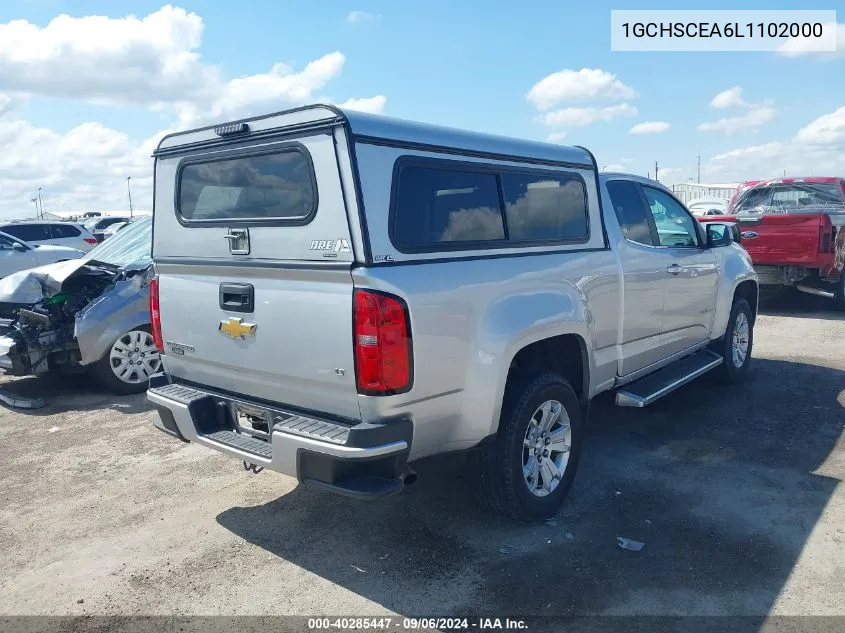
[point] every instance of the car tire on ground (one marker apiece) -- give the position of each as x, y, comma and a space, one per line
736, 345
129, 362
839, 293
526, 473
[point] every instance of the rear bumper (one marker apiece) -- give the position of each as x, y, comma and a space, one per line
359, 460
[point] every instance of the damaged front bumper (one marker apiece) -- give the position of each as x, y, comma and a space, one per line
10, 360
65, 316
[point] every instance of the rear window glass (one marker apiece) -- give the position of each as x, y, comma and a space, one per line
64, 230
790, 198
436, 206
28, 232
276, 186
544, 207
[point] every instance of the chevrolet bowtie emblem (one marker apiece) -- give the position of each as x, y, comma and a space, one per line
236, 328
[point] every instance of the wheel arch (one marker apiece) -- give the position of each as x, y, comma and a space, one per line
566, 354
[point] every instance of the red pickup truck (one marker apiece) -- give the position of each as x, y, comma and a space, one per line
794, 230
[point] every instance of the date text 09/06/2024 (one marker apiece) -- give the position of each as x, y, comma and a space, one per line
387, 623
728, 30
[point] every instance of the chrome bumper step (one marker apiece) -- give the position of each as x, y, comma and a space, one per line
644, 391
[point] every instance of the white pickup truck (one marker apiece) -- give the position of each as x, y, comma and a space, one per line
339, 294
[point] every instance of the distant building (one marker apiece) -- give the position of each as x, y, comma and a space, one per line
687, 191
79, 216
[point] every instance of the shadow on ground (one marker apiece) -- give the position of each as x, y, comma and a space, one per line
69, 393
794, 303
717, 482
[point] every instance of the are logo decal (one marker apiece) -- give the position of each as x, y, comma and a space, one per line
339, 245
749, 235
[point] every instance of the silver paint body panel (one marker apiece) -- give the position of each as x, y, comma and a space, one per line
470, 311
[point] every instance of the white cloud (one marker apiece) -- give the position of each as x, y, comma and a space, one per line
357, 17
579, 117
152, 62
754, 118
730, 98
122, 60
84, 169
650, 127
826, 130
669, 175
578, 85
798, 46
614, 167
253, 94
373, 105
556, 137
771, 160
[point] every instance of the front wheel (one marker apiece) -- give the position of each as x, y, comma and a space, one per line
735, 346
130, 361
528, 471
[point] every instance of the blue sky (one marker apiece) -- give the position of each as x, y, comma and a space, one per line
462, 64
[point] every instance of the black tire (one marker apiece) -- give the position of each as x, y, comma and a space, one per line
729, 371
103, 373
502, 486
839, 293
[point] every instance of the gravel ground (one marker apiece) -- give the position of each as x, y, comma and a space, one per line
736, 493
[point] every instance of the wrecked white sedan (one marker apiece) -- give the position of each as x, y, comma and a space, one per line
85, 314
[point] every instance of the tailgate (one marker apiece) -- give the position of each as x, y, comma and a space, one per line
789, 238
253, 251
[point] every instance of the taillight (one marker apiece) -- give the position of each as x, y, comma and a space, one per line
382, 340
90, 240
155, 315
826, 241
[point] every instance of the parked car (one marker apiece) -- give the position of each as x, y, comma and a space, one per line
708, 206
794, 230
97, 225
451, 291
17, 255
113, 228
87, 314
50, 233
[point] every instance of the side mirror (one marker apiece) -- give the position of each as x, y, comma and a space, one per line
17, 246
722, 234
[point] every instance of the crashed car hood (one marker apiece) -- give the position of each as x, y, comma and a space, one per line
34, 284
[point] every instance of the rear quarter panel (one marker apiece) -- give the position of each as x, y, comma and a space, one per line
470, 318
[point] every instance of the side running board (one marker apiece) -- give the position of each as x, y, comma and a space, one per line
646, 390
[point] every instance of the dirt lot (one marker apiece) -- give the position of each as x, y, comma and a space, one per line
736, 493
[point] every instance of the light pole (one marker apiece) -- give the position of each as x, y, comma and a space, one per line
41, 203
129, 191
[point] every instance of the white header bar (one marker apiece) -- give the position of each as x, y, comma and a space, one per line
711, 30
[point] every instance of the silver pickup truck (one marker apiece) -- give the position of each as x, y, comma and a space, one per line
339, 294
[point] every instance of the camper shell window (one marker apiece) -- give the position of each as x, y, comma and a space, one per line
275, 187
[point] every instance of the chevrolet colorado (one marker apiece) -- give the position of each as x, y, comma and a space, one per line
339, 294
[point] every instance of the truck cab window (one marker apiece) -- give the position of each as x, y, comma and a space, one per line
675, 226
630, 211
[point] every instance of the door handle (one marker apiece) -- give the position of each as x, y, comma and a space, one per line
237, 297
674, 269
238, 241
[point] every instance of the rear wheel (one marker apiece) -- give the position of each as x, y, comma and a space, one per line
735, 346
130, 361
528, 471
839, 293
